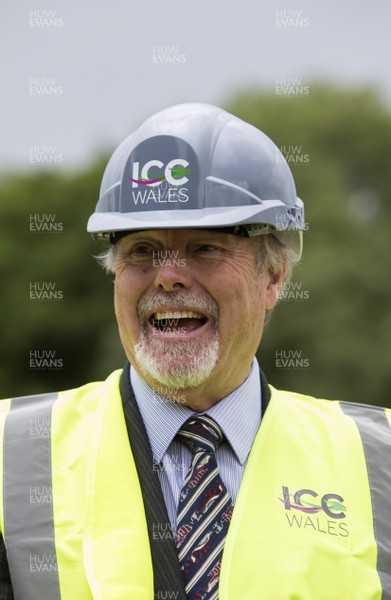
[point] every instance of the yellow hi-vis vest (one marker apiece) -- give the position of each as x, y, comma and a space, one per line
312, 518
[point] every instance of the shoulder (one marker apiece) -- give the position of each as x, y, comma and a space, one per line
297, 397
86, 391
303, 402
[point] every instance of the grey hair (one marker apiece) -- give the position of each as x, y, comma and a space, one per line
275, 256
278, 258
107, 259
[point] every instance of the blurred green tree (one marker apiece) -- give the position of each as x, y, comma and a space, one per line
331, 334
335, 316
58, 327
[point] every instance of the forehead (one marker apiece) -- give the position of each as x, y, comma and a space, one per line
170, 236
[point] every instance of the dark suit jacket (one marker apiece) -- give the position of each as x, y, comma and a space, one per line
167, 574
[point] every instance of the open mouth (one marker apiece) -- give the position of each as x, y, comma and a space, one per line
178, 322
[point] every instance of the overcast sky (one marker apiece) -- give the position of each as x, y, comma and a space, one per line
79, 76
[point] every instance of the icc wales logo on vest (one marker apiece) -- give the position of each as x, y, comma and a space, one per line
307, 510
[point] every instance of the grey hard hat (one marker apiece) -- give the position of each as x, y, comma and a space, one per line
197, 166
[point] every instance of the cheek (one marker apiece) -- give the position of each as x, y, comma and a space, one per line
117, 303
118, 294
125, 302
242, 308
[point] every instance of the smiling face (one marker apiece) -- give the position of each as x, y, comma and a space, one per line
190, 306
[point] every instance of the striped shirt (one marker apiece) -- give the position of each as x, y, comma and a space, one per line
238, 415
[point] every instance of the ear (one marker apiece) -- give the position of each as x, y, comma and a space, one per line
273, 289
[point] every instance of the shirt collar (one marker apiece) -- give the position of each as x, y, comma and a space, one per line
238, 414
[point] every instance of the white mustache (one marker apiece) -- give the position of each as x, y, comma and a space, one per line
162, 300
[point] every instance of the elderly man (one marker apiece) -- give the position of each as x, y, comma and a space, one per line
185, 475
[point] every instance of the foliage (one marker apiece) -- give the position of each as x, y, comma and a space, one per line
76, 320
341, 327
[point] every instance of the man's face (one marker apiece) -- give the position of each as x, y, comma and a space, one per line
190, 306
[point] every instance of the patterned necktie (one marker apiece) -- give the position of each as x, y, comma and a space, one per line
204, 511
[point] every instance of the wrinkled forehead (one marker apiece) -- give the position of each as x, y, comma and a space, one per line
237, 231
171, 236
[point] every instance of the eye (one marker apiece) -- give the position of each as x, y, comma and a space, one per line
206, 248
139, 252
141, 249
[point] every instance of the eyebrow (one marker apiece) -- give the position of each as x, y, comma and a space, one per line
151, 234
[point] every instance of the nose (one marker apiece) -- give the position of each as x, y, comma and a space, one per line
172, 276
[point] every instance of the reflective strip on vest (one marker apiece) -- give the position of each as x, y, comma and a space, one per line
28, 526
375, 433
286, 538
288, 535
75, 525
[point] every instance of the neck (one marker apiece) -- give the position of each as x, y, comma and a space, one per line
202, 397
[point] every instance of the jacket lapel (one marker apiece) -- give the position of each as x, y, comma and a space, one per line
265, 392
167, 574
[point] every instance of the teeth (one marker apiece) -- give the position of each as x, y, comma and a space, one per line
178, 314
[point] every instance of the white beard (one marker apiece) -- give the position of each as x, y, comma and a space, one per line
181, 364
178, 365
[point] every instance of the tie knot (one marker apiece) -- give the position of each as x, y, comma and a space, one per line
201, 434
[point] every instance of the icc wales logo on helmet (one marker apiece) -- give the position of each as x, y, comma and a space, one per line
155, 182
